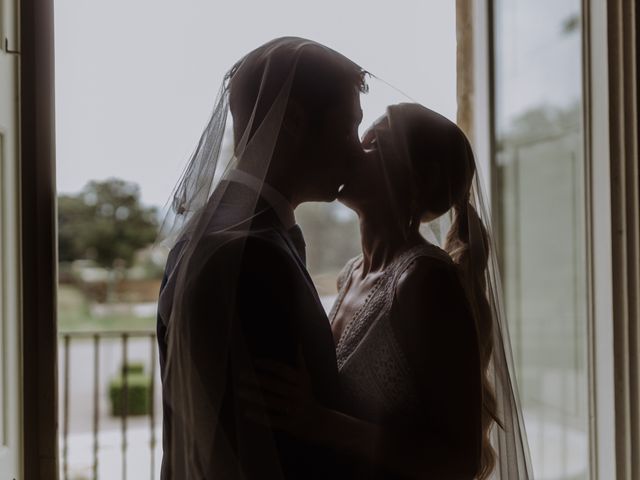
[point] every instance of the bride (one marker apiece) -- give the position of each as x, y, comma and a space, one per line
424, 360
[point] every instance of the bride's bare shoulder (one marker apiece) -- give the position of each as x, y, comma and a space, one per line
428, 277
430, 302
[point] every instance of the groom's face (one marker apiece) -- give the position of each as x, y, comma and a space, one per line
333, 149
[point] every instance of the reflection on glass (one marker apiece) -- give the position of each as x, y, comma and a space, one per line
539, 171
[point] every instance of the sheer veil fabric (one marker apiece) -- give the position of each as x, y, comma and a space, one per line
464, 231
194, 391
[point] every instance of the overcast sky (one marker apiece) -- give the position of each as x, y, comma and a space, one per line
136, 79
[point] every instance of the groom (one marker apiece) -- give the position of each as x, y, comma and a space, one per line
277, 312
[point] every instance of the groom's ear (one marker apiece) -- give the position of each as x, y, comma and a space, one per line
295, 120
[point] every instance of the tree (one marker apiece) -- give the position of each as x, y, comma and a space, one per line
332, 233
105, 222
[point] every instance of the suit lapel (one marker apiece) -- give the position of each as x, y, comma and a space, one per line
266, 218
299, 261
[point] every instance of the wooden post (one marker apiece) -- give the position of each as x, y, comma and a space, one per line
464, 66
38, 240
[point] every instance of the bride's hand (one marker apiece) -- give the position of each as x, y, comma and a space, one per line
281, 397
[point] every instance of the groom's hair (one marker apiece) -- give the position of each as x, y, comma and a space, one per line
322, 79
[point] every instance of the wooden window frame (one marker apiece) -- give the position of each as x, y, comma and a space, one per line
38, 240
610, 38
621, 66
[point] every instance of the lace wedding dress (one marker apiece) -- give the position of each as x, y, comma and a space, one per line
375, 374
376, 378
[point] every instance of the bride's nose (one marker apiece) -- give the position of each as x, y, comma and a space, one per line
361, 161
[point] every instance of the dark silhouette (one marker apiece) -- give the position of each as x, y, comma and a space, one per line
275, 308
412, 324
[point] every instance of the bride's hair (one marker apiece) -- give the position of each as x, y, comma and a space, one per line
442, 168
473, 268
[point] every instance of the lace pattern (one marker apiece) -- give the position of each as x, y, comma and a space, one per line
376, 376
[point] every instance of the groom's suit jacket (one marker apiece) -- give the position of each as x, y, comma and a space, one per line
277, 311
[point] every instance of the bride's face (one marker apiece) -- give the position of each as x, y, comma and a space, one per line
372, 183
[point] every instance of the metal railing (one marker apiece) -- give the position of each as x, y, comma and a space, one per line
97, 338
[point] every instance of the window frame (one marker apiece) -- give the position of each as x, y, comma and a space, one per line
620, 64
38, 240
610, 40
610, 96
602, 435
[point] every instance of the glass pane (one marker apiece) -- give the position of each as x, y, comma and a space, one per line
540, 207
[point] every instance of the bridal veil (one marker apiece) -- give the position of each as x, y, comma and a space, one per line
194, 391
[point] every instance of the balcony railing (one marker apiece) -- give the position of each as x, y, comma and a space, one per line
97, 445
89, 361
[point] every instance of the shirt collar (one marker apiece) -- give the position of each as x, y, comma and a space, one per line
274, 198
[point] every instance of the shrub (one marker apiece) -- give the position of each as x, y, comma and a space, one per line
138, 391
134, 368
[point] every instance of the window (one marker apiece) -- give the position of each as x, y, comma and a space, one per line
132, 106
539, 204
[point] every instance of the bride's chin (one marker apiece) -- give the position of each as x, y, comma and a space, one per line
345, 197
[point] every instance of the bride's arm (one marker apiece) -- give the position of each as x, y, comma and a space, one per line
436, 331
441, 348
408, 454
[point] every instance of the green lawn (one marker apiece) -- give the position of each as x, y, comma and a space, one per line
74, 315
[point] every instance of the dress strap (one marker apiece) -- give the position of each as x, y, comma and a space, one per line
423, 250
345, 273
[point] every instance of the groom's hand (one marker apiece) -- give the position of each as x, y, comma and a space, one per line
281, 397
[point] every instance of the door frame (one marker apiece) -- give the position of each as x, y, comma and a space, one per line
38, 240
611, 123
597, 146
620, 63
